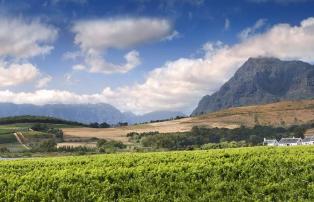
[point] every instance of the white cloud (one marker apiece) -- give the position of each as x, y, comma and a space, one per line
179, 84
78, 67
96, 36
43, 82
175, 34
72, 55
24, 39
40, 97
249, 31
98, 64
227, 24
15, 74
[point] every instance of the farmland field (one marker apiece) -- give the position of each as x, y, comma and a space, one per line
246, 174
284, 114
6, 136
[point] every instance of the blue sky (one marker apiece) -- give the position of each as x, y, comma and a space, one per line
59, 51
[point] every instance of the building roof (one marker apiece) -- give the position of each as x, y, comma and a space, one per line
308, 139
270, 141
289, 140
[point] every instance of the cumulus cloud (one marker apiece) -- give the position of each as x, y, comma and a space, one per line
78, 67
43, 82
14, 74
249, 31
94, 37
24, 39
41, 97
71, 55
179, 84
97, 64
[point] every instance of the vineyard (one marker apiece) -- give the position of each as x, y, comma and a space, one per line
245, 174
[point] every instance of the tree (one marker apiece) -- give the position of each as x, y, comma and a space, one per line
104, 125
40, 127
94, 125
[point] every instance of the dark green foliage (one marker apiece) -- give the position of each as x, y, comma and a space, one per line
36, 119
45, 146
58, 133
104, 125
6, 136
199, 136
136, 137
94, 125
4, 150
79, 149
123, 124
109, 146
224, 145
40, 127
101, 125
246, 174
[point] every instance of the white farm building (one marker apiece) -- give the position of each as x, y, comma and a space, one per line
290, 142
308, 140
270, 142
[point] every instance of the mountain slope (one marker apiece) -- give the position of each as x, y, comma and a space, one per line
83, 113
285, 113
153, 116
259, 81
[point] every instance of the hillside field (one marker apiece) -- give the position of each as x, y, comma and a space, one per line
285, 113
6, 136
22, 125
246, 174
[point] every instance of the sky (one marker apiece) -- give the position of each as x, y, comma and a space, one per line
141, 55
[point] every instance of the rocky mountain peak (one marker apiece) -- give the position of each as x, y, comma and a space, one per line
262, 80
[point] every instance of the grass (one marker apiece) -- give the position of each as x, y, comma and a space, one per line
7, 136
36, 134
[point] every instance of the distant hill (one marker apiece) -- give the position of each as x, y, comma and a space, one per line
153, 116
260, 81
83, 113
36, 119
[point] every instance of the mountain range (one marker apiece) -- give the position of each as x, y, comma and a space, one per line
84, 113
260, 81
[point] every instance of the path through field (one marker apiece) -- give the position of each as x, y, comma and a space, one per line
20, 138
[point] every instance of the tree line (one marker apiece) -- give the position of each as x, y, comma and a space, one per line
215, 137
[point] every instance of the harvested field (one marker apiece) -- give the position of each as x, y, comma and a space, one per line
275, 114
